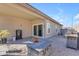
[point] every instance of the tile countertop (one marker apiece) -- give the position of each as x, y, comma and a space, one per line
41, 45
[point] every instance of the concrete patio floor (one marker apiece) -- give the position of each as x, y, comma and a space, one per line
59, 47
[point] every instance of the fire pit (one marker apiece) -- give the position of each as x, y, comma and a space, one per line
35, 39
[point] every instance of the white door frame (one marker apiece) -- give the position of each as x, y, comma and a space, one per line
37, 30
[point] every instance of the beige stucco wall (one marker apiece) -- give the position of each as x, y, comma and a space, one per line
54, 30
13, 23
37, 21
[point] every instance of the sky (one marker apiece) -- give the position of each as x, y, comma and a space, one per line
65, 13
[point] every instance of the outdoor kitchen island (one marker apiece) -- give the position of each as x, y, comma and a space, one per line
40, 48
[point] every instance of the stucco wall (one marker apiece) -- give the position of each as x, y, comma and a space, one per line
54, 29
13, 23
37, 21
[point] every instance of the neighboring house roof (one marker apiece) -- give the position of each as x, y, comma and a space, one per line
39, 12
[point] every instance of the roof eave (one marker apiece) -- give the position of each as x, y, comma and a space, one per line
41, 13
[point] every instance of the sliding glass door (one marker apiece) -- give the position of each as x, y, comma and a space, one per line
38, 30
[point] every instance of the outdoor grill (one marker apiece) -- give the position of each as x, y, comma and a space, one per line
73, 40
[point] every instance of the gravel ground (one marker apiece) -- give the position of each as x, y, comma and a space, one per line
59, 47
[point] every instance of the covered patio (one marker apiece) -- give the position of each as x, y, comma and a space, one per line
21, 17
23, 23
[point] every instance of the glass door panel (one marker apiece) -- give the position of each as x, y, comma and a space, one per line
35, 30
40, 30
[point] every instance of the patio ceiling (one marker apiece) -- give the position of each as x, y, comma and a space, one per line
16, 10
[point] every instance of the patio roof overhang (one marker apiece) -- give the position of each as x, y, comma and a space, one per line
16, 10
23, 10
